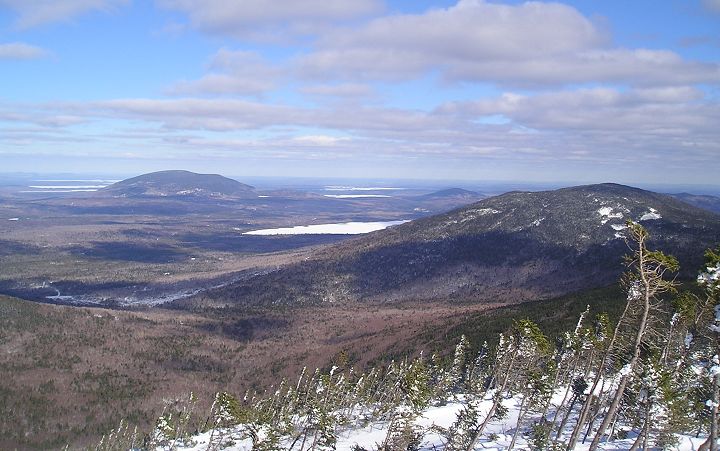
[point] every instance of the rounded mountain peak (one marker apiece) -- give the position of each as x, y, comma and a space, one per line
180, 183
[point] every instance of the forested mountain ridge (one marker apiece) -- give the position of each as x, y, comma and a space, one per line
508, 248
707, 202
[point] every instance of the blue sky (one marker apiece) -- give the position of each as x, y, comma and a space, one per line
584, 91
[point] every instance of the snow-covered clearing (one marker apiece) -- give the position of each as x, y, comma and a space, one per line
345, 228
606, 213
651, 215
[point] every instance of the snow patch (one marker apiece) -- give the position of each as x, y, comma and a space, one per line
485, 211
189, 191
497, 436
606, 213
651, 215
688, 340
472, 214
345, 228
710, 276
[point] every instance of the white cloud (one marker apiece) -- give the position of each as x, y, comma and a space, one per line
658, 127
712, 5
676, 110
262, 18
531, 44
232, 72
609, 128
339, 90
635, 67
222, 84
592, 123
319, 140
39, 12
20, 51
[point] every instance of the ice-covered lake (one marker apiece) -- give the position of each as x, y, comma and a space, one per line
354, 196
67, 185
344, 228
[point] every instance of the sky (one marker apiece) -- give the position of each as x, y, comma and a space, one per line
578, 91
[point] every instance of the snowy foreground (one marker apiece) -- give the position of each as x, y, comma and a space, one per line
431, 422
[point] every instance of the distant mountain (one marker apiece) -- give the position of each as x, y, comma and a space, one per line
451, 193
505, 249
710, 203
180, 183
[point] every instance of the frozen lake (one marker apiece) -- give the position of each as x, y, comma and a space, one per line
344, 228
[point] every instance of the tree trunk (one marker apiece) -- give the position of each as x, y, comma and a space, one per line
591, 423
496, 401
645, 433
553, 387
582, 418
711, 443
714, 424
647, 293
561, 426
567, 390
610, 414
521, 416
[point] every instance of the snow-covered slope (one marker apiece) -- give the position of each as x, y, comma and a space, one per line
430, 422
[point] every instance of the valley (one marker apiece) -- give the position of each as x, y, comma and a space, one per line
116, 245
164, 286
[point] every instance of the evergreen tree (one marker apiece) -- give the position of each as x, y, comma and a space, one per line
455, 380
710, 279
645, 283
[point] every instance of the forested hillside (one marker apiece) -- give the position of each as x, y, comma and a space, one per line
509, 248
647, 378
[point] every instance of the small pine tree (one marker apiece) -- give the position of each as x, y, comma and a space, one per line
455, 380
403, 434
463, 432
173, 425
710, 280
